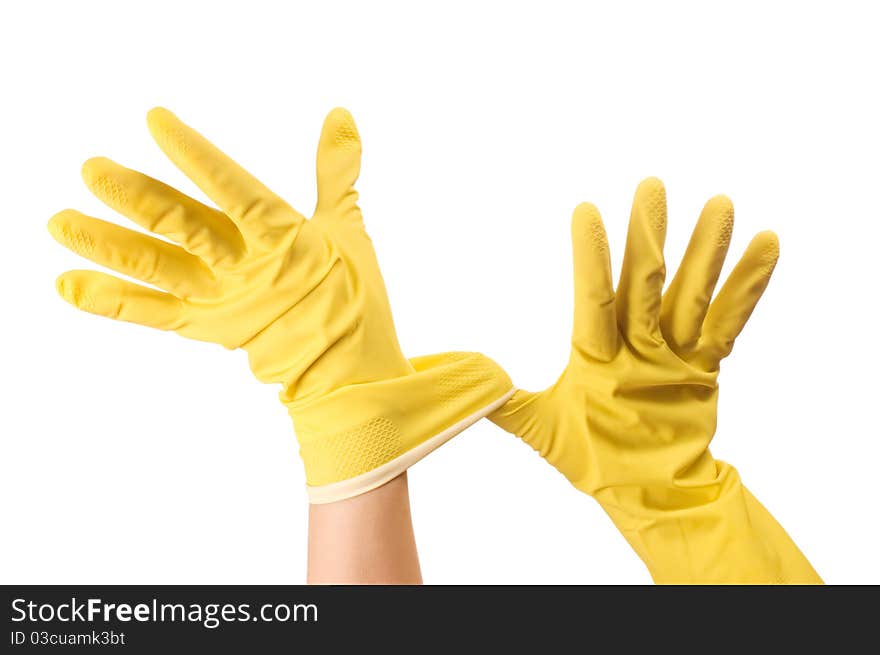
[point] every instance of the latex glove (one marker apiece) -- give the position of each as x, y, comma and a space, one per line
304, 298
630, 420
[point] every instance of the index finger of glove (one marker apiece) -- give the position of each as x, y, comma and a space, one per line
255, 209
595, 323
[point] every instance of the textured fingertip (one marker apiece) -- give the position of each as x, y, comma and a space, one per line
339, 114
651, 196
767, 245
159, 116
721, 209
67, 287
98, 175
586, 225
650, 183
55, 225
345, 133
93, 167
62, 227
167, 130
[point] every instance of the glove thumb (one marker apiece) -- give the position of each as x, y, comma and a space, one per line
518, 415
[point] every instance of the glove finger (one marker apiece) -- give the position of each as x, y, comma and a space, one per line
132, 253
643, 273
162, 209
338, 166
687, 299
738, 297
595, 322
99, 293
257, 211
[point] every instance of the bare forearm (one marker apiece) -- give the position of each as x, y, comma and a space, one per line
367, 539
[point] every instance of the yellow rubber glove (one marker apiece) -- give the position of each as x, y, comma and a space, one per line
304, 298
630, 420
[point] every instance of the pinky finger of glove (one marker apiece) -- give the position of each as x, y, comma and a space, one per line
731, 309
99, 293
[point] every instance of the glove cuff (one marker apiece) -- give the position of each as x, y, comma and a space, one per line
361, 436
723, 537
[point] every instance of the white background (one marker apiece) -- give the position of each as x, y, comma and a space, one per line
133, 456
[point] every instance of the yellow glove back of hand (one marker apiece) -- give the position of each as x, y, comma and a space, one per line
304, 298
630, 420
